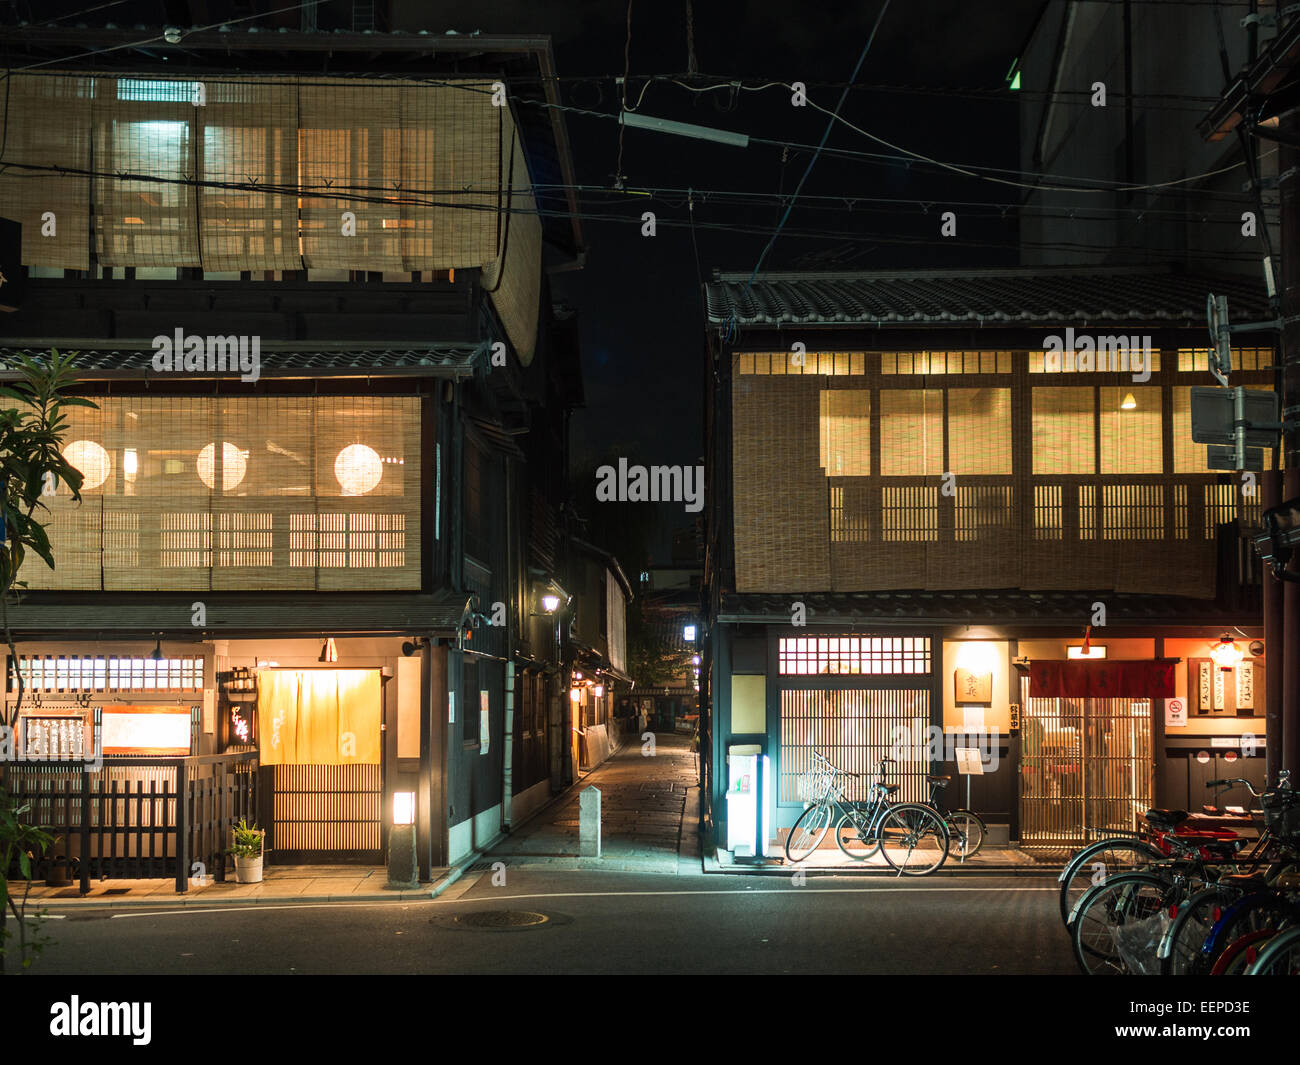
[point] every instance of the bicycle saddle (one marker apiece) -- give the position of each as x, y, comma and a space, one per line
938, 780
889, 789
1246, 881
1166, 818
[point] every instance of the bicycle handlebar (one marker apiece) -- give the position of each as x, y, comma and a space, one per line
1227, 783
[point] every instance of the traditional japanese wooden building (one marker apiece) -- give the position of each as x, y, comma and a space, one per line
923, 487
306, 588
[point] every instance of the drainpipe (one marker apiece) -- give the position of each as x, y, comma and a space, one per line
508, 751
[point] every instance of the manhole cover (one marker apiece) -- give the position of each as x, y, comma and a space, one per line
502, 919
499, 920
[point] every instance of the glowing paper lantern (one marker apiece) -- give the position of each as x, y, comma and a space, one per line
234, 465
358, 469
91, 459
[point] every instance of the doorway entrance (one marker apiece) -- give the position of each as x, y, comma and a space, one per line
1086, 769
322, 764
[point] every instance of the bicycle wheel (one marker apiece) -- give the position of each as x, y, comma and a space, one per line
857, 839
913, 839
1242, 953
1280, 956
807, 833
1106, 857
966, 829
1123, 900
1252, 913
1180, 949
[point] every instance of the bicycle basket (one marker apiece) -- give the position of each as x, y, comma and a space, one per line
1282, 811
812, 786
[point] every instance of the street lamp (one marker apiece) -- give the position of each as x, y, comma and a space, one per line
550, 603
403, 869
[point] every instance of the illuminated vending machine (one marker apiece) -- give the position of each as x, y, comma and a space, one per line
746, 791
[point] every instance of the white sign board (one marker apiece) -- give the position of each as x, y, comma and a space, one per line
145, 730
1175, 713
969, 763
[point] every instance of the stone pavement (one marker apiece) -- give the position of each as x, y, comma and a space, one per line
649, 810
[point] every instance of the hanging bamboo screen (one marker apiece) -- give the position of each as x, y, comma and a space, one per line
49, 122
420, 167
248, 134
514, 278
284, 492
780, 495
1007, 484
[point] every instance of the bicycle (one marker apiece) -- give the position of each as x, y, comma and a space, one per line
899, 832
1114, 924
1122, 854
966, 829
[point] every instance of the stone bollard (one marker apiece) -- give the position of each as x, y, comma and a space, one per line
589, 822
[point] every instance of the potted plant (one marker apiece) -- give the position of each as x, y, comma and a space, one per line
249, 846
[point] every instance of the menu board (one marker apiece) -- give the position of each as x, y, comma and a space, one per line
162, 731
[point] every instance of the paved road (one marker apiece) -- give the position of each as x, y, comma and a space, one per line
603, 924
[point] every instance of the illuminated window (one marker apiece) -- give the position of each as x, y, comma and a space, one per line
1110, 356
784, 363
945, 362
73, 673
813, 655
1131, 424
1063, 430
979, 431
911, 432
846, 432
1197, 360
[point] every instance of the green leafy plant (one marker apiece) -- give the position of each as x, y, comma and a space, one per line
248, 840
19, 843
33, 419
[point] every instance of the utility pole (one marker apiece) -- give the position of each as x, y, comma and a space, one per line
1283, 749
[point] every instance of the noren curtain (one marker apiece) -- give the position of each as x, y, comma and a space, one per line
319, 716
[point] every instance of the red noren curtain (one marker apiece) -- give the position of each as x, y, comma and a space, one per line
1102, 680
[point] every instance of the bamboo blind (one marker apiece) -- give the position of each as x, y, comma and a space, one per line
49, 123
420, 166
248, 134
1056, 487
288, 501
780, 493
514, 278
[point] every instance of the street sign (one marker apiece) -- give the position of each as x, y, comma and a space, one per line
1213, 420
1224, 457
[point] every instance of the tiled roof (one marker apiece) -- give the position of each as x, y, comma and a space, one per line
441, 361
973, 607
1041, 295
109, 615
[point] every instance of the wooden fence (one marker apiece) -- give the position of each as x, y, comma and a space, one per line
137, 818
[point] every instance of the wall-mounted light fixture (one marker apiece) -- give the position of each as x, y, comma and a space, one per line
329, 651
550, 603
1226, 653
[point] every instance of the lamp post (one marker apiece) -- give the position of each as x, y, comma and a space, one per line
403, 871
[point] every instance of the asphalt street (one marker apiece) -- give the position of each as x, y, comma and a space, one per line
607, 924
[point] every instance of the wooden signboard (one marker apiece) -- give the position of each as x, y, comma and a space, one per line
972, 687
1210, 690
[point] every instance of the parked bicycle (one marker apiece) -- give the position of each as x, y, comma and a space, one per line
1125, 854
912, 837
966, 829
1208, 907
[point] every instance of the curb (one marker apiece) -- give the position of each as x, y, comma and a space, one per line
712, 865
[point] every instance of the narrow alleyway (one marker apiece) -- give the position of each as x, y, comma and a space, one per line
649, 807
